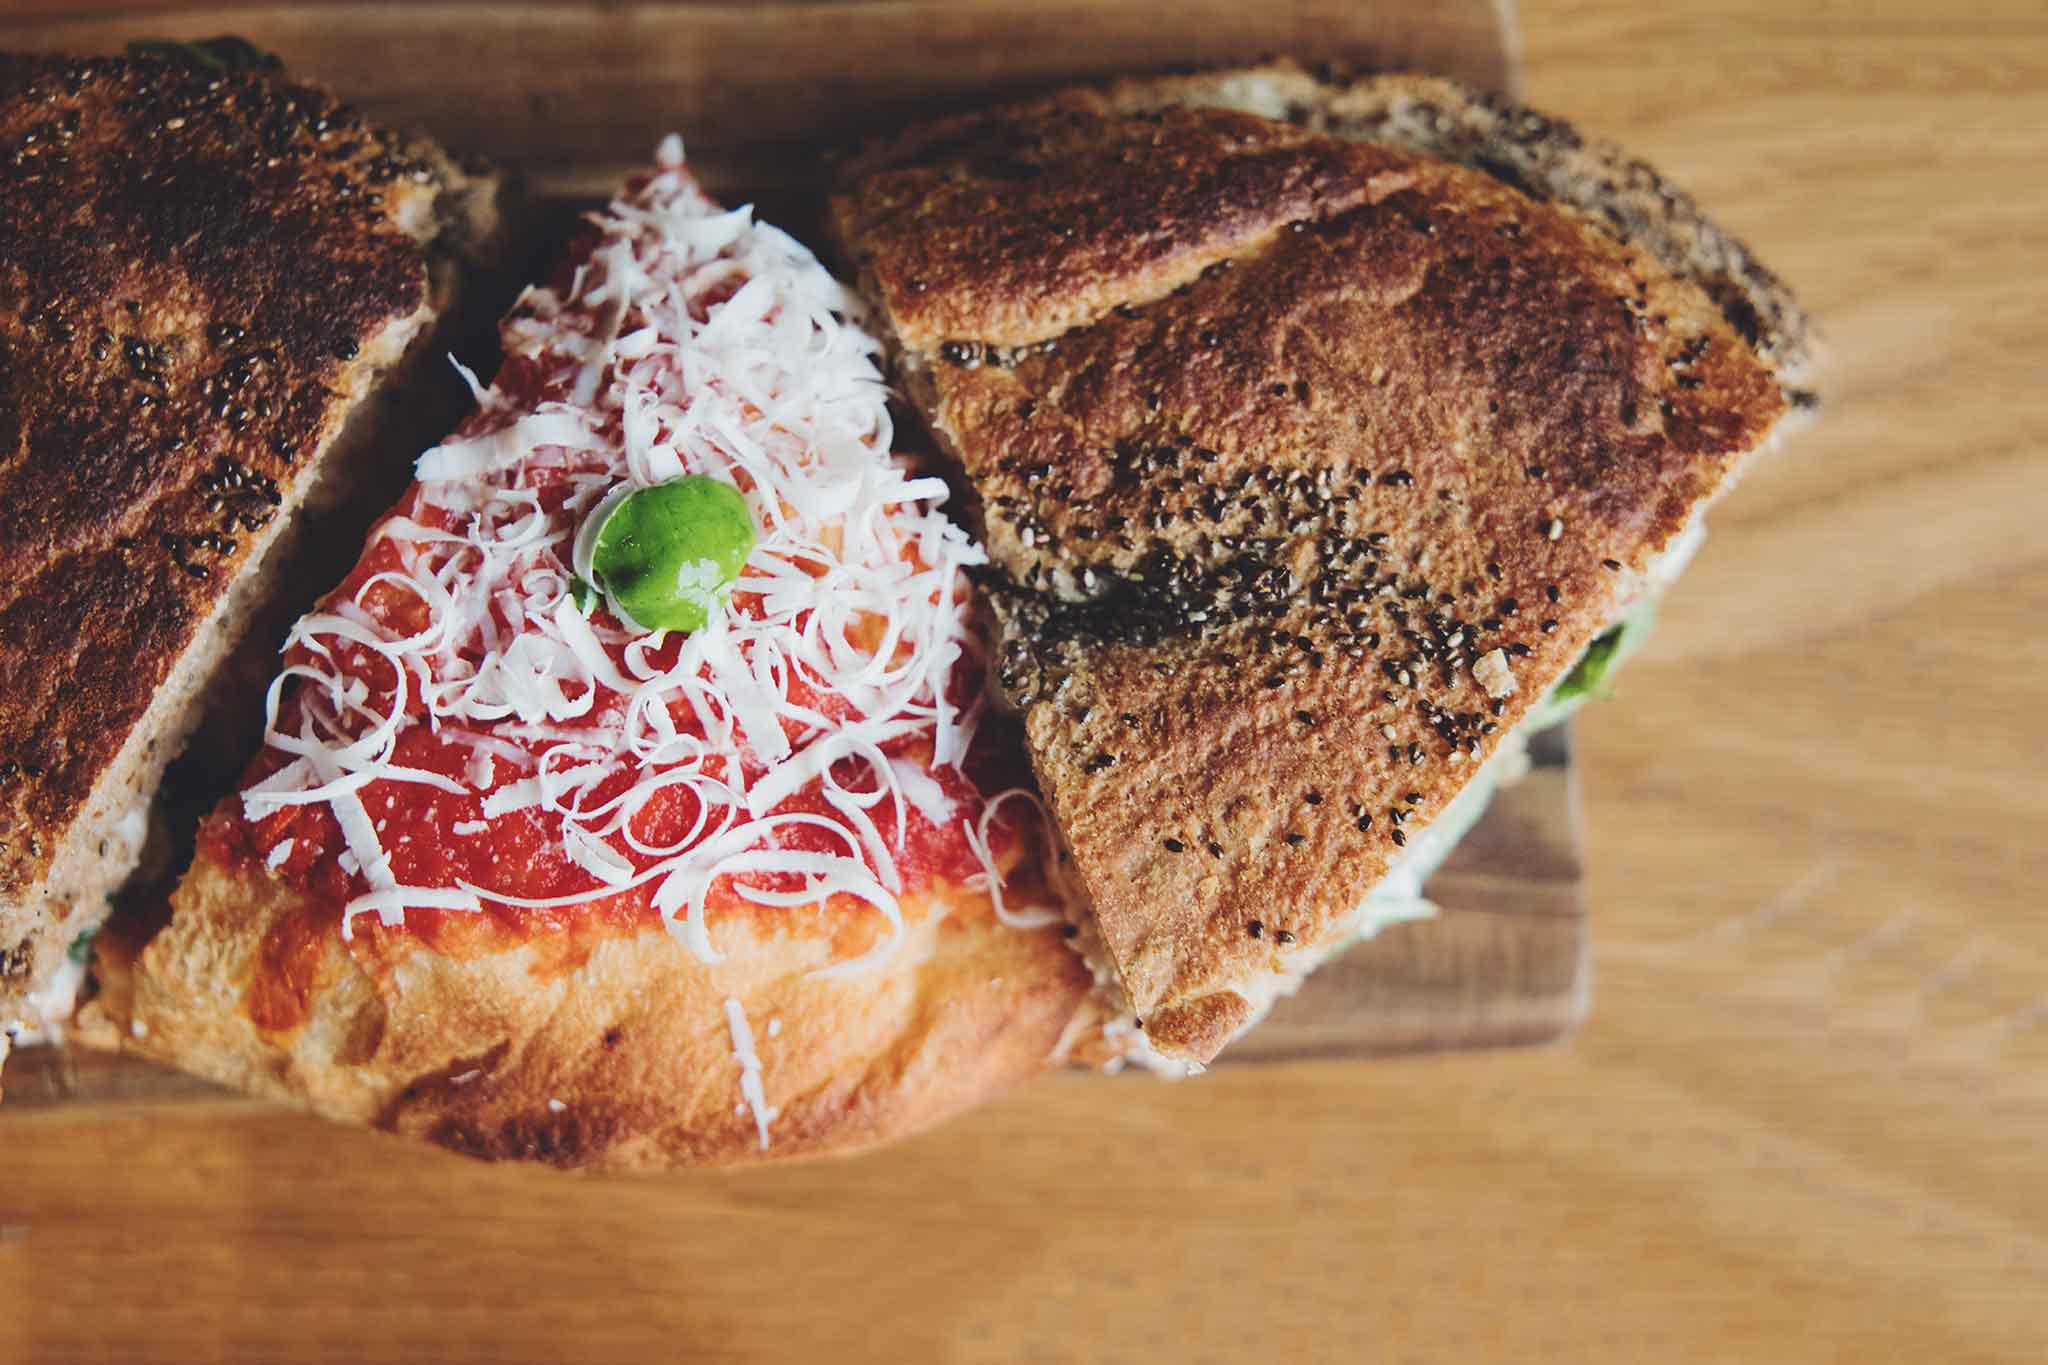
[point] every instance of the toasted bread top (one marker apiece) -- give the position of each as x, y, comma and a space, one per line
1545, 157
196, 270
1300, 501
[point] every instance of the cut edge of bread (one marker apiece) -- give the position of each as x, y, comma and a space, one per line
463, 228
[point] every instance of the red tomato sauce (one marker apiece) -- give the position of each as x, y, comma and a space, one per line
519, 854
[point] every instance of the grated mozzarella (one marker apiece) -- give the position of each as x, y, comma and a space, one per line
751, 1089
693, 340
991, 877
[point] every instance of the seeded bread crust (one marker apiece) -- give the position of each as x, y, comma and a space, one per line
1335, 459
602, 1051
1546, 158
205, 281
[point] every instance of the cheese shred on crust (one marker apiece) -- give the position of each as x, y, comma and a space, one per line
691, 340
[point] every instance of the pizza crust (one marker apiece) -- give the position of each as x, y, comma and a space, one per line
612, 1053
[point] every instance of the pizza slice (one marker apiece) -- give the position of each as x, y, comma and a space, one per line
630, 803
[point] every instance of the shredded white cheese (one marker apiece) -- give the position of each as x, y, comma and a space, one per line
990, 878
48, 1008
751, 1090
693, 340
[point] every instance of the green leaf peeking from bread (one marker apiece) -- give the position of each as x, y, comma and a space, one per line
226, 53
1593, 675
1589, 675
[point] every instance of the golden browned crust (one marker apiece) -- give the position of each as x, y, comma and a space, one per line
1270, 538
615, 1053
202, 276
1543, 156
959, 264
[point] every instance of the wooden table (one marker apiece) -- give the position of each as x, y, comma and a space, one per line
1806, 1121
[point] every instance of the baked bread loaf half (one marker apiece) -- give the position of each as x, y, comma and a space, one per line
1315, 431
628, 805
211, 282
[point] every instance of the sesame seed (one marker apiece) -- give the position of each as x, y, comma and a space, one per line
1400, 839
1549, 626
1283, 936
1365, 822
1295, 840
1553, 528
1255, 929
1387, 731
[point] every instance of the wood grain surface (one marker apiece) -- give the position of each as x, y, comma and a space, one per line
1805, 1121
577, 93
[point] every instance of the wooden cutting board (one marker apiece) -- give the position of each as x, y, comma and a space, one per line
575, 96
